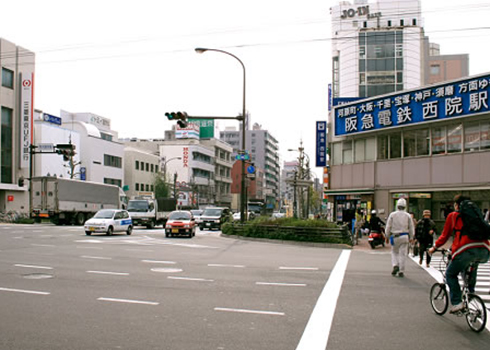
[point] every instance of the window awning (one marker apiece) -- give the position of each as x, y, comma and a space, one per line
340, 192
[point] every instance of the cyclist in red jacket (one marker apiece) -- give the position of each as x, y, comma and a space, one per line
464, 252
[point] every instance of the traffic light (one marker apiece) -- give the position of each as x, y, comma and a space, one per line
180, 117
21, 181
67, 150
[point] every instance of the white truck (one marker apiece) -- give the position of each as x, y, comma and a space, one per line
67, 201
151, 212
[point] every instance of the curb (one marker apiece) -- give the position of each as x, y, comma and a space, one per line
277, 241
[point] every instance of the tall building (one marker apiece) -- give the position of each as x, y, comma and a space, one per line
263, 148
16, 127
446, 67
377, 47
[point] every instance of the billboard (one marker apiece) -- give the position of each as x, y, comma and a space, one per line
456, 99
26, 113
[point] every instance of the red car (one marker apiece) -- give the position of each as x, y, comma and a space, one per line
180, 222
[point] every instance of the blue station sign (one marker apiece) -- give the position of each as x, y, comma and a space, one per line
321, 144
456, 99
51, 119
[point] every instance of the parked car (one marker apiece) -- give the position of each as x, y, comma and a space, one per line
109, 221
180, 222
197, 213
237, 216
214, 217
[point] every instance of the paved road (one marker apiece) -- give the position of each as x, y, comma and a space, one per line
60, 289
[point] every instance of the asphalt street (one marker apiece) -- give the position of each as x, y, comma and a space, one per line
60, 289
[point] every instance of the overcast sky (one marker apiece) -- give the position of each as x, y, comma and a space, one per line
132, 61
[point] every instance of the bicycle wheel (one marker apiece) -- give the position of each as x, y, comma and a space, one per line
476, 315
438, 298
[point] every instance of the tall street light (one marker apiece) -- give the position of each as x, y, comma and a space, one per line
165, 162
243, 191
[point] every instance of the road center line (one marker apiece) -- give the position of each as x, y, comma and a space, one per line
43, 245
298, 268
34, 266
317, 331
273, 313
24, 291
110, 273
129, 301
280, 284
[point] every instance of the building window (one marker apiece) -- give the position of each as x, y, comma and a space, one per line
147, 187
112, 161
6, 160
147, 166
435, 69
152, 168
471, 137
395, 146
7, 78
116, 182
485, 135
423, 142
383, 147
438, 140
364, 150
137, 186
137, 165
454, 138
104, 136
347, 152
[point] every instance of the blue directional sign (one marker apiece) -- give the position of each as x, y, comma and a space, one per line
321, 144
51, 119
245, 156
251, 169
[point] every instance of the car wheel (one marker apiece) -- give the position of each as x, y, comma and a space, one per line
79, 219
130, 230
150, 226
88, 233
167, 234
110, 231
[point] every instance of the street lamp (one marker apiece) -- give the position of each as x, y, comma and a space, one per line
165, 161
243, 192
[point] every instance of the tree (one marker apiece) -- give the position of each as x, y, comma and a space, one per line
162, 188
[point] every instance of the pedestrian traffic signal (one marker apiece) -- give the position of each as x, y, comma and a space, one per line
180, 117
21, 181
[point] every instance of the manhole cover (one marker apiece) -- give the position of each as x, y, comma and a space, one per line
166, 269
38, 276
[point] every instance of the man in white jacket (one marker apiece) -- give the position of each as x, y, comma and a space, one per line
399, 232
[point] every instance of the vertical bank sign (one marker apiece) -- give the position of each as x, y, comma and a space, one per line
321, 144
452, 100
26, 110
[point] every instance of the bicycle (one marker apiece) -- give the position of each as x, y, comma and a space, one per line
474, 308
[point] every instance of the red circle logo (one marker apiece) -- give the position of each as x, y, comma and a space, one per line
26, 83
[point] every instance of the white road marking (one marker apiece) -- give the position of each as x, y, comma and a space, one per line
225, 265
95, 257
34, 266
298, 268
189, 279
259, 312
43, 245
280, 284
139, 250
24, 291
110, 273
317, 331
99, 248
129, 301
159, 262
43, 235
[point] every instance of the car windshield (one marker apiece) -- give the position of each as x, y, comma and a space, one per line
196, 212
136, 205
212, 212
104, 214
179, 215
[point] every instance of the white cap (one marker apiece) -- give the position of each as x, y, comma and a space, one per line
401, 203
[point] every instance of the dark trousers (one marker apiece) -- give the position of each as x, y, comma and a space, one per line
423, 248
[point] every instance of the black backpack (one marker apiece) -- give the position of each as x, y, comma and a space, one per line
474, 226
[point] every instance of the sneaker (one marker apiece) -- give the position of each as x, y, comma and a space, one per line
427, 265
401, 274
456, 308
420, 262
395, 270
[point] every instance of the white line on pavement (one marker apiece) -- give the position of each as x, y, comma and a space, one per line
225, 265
129, 301
43, 245
95, 257
110, 273
34, 266
139, 250
298, 268
273, 313
159, 262
24, 291
189, 279
317, 331
280, 284
99, 248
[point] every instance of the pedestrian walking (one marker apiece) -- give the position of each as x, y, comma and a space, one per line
359, 223
414, 247
424, 235
399, 232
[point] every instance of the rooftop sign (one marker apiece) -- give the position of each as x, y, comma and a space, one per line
456, 99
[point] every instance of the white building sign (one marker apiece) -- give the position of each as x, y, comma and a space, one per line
26, 111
